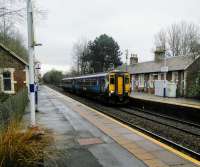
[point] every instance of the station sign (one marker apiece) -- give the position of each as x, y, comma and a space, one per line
164, 69
38, 66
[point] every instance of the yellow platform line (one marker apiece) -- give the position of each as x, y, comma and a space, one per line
195, 161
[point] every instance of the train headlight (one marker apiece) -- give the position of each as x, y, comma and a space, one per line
112, 91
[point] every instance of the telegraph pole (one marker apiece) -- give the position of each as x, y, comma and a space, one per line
126, 60
4, 21
164, 69
31, 45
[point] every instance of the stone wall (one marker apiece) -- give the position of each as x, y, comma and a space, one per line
20, 78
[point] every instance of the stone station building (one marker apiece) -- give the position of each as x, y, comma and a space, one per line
182, 70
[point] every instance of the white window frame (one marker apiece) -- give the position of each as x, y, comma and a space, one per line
141, 80
11, 70
159, 76
151, 80
27, 76
174, 74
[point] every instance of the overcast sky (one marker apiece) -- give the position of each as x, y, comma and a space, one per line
132, 23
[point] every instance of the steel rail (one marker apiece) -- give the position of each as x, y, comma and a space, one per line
179, 147
159, 122
166, 117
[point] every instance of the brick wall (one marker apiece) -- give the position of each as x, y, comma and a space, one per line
20, 78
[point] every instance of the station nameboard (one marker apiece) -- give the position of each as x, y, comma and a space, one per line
164, 69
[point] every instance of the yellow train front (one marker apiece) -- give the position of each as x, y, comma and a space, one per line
119, 87
112, 87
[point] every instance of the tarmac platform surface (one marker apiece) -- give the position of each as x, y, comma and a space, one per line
91, 139
185, 102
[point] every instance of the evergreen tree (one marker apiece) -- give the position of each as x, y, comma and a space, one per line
104, 54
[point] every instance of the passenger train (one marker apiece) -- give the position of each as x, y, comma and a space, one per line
113, 87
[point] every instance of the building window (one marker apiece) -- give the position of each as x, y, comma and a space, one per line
175, 77
7, 81
141, 80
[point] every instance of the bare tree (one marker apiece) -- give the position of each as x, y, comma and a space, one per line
79, 55
174, 39
161, 39
13, 13
179, 39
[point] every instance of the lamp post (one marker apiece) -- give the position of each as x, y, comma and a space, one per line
31, 45
165, 70
126, 60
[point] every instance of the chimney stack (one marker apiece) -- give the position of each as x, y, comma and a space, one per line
133, 59
159, 54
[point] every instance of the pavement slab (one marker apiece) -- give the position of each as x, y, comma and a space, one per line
82, 144
89, 138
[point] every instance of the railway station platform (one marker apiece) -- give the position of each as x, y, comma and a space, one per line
183, 102
92, 139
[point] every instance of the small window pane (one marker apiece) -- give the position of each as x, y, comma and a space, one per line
6, 75
7, 84
7, 81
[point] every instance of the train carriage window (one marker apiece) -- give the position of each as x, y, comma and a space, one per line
94, 83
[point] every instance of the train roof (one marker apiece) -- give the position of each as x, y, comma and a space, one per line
93, 75
87, 76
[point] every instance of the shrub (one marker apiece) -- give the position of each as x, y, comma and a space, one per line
22, 148
194, 89
13, 107
3, 97
53, 77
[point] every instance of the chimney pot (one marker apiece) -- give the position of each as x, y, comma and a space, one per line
159, 54
133, 59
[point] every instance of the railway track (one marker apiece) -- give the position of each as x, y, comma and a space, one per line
127, 116
166, 117
179, 147
190, 130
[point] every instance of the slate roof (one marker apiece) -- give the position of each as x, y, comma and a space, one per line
174, 64
13, 54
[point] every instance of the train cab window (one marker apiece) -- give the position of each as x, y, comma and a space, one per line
112, 80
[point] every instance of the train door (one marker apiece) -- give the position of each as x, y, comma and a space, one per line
73, 85
127, 83
102, 85
112, 83
120, 84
